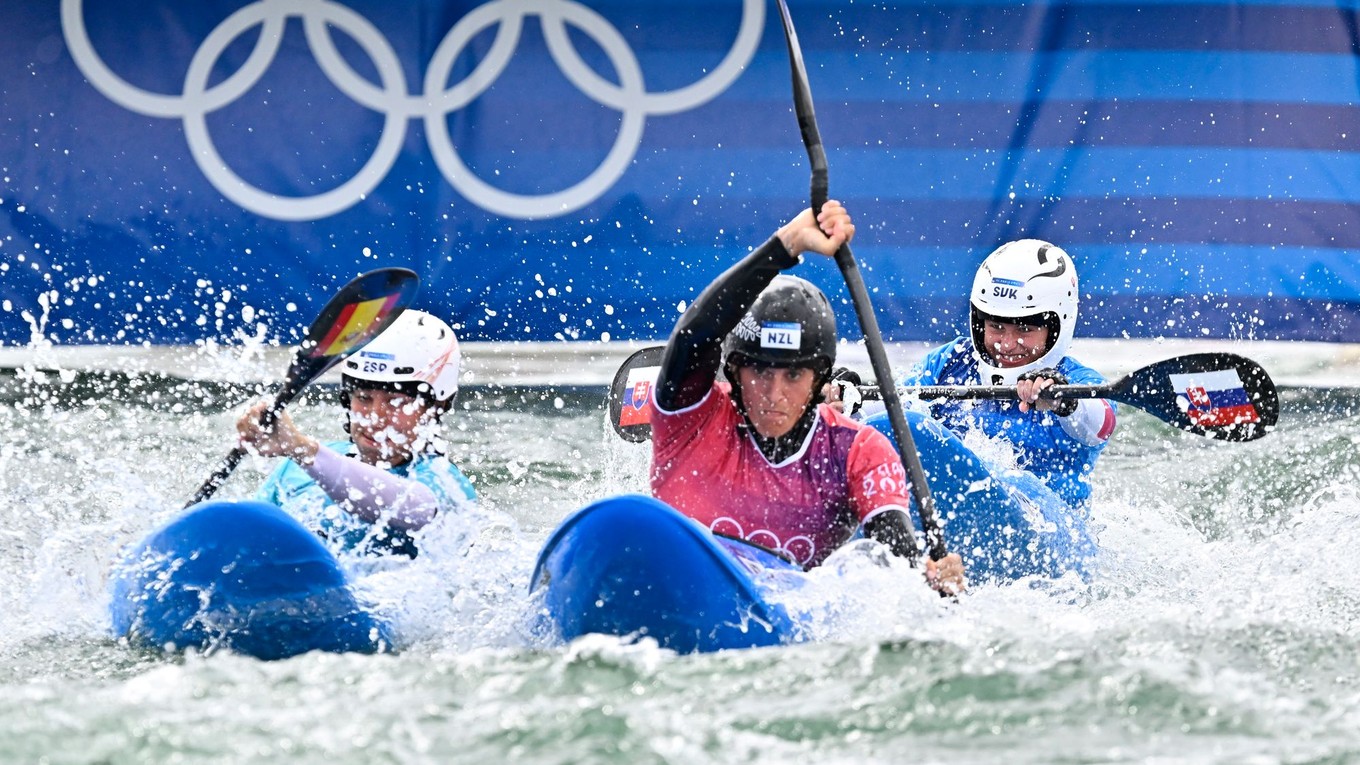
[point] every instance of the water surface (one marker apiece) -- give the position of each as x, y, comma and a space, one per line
1221, 626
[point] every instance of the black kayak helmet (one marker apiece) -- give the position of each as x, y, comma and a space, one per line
791, 324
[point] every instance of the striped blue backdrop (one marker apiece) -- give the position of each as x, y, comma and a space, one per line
1199, 160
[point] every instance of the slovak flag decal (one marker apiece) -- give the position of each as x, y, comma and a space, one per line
1214, 399
637, 396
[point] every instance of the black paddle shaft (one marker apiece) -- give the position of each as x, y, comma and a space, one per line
845, 260
229, 462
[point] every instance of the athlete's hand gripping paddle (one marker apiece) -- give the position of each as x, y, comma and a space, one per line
1218, 395
845, 260
358, 313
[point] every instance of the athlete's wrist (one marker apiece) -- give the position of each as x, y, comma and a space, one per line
779, 249
304, 451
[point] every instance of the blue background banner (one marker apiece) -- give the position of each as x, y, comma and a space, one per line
178, 172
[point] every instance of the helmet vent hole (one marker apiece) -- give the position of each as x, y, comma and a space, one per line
404, 370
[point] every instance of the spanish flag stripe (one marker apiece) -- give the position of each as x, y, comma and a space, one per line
337, 329
356, 325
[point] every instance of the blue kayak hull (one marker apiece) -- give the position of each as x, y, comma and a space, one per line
1006, 524
239, 576
633, 566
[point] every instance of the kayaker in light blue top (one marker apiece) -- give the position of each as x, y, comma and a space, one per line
369, 494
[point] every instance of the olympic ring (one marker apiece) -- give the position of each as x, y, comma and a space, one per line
391, 99
798, 548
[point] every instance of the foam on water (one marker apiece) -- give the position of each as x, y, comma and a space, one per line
1220, 625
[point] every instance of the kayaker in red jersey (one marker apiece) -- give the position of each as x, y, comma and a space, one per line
760, 458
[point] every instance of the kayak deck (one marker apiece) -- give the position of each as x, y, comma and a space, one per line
633, 566
239, 576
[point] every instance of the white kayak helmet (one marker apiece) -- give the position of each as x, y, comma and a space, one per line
1027, 281
417, 354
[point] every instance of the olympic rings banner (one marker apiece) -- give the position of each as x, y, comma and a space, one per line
176, 172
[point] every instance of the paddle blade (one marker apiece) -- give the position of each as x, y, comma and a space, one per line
630, 394
802, 108
1220, 395
359, 312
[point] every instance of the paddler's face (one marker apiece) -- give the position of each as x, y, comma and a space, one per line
775, 397
383, 424
1014, 345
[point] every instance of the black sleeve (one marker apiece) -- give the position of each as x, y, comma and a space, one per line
895, 532
694, 352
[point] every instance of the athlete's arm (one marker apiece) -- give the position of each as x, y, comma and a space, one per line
367, 491
880, 495
894, 531
1092, 423
371, 492
1089, 421
694, 352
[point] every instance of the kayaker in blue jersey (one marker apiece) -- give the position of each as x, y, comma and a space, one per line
758, 458
391, 478
1032, 521
1022, 316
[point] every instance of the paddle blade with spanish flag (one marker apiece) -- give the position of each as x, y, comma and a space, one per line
359, 312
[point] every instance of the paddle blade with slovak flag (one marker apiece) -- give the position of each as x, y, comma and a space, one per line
630, 395
1220, 395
